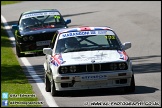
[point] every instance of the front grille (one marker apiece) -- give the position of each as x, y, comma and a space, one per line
95, 67
39, 37
43, 36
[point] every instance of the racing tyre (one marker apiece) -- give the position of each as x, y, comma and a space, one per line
47, 84
53, 89
130, 88
18, 52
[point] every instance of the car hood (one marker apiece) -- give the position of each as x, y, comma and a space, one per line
39, 31
88, 57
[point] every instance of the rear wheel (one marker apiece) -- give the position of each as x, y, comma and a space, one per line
18, 52
130, 88
47, 84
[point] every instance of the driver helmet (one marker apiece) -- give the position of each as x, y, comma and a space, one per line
71, 42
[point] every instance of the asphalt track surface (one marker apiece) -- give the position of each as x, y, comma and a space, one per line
138, 22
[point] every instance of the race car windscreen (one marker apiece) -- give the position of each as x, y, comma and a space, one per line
72, 42
42, 20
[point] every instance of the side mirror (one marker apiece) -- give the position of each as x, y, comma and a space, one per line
68, 21
126, 45
47, 51
15, 27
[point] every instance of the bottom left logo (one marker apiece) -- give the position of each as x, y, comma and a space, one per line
4, 102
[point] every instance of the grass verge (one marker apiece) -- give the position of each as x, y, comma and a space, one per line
9, 2
13, 80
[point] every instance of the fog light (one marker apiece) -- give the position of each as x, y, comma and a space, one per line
64, 78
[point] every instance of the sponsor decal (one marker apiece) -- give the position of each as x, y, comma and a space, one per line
57, 60
85, 33
88, 57
123, 55
40, 14
94, 77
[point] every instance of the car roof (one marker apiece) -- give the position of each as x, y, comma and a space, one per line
40, 10
84, 28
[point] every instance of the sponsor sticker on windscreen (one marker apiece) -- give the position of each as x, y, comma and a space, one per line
86, 33
94, 77
39, 14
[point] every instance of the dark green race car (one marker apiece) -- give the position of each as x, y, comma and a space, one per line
35, 30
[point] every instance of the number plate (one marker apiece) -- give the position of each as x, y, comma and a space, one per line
41, 43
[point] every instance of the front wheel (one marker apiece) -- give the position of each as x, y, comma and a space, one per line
18, 52
47, 84
53, 89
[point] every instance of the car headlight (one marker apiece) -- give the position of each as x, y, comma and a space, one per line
122, 65
63, 69
25, 38
72, 68
31, 37
113, 66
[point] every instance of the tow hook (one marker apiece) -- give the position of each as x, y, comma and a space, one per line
72, 83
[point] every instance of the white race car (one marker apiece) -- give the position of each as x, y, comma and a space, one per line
87, 58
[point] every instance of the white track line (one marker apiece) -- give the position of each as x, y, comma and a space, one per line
49, 99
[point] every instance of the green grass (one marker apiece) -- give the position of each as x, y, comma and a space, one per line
13, 79
9, 2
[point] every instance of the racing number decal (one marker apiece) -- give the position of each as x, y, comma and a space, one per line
57, 16
110, 37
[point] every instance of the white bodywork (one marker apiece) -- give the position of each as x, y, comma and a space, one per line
90, 80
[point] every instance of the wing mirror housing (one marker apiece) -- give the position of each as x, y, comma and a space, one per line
126, 45
68, 21
47, 51
15, 27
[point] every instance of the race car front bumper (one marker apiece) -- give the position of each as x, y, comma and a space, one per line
93, 81
31, 47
